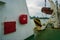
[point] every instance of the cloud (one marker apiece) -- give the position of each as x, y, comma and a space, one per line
34, 7
34, 11
34, 2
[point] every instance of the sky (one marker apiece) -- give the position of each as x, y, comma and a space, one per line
34, 7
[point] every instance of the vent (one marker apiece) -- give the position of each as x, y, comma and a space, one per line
2, 3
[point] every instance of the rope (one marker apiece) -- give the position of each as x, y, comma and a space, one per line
37, 22
45, 3
46, 14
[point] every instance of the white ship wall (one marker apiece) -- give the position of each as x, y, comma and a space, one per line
10, 12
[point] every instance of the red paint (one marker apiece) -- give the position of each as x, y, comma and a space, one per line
9, 27
23, 19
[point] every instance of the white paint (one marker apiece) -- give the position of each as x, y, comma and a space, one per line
10, 12
1, 21
54, 14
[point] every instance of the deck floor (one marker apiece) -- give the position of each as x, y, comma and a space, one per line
47, 34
